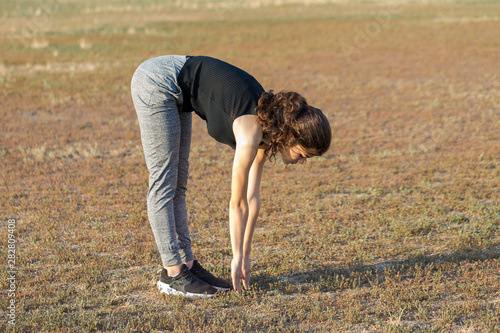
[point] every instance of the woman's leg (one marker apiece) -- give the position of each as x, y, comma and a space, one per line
166, 140
180, 209
156, 94
160, 135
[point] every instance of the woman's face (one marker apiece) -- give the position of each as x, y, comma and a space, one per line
295, 154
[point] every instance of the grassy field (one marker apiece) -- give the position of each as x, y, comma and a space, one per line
395, 229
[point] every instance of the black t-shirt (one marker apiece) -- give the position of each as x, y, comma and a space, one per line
219, 93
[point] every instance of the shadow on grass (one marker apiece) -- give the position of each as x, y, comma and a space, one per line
330, 278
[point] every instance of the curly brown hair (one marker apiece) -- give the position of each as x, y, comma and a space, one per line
287, 120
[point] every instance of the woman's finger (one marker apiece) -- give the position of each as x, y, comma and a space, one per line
236, 284
245, 273
246, 281
243, 278
236, 274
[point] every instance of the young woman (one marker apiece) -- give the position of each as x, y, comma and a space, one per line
259, 125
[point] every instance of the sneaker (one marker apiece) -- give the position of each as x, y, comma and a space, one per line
207, 277
184, 284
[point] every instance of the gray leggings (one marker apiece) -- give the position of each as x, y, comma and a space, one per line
166, 140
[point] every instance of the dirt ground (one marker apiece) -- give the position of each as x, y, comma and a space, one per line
395, 229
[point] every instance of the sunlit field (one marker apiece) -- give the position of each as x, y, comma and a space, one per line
394, 229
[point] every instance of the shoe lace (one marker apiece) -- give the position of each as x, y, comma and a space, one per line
189, 276
201, 271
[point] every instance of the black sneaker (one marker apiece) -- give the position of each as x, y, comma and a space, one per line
185, 284
206, 276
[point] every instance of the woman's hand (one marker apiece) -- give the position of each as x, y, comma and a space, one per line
240, 272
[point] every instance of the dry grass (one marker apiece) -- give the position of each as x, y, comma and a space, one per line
396, 229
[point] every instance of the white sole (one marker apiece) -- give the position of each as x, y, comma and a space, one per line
220, 288
166, 289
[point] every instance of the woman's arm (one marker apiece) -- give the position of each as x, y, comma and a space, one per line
253, 197
248, 136
239, 206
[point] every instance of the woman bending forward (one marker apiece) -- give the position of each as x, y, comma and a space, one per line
258, 125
